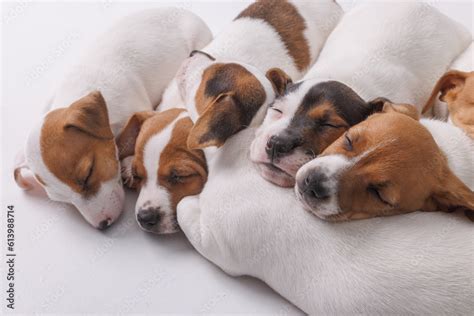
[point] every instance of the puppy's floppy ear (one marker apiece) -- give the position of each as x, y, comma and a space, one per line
128, 135
219, 121
89, 115
405, 109
279, 80
449, 85
452, 194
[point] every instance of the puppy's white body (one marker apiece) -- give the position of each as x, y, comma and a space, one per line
457, 146
256, 44
412, 264
133, 63
409, 47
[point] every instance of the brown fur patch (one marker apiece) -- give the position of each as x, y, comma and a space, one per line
287, 22
182, 171
72, 141
150, 127
456, 88
227, 99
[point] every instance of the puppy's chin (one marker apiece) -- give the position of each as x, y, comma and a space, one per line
275, 175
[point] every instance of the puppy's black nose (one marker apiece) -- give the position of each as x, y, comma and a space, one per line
148, 217
104, 224
315, 185
278, 146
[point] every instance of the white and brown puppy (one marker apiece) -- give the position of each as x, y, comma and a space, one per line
397, 51
157, 163
228, 84
390, 164
71, 152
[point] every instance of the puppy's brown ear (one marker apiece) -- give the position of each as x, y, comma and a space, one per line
452, 194
449, 85
405, 109
89, 115
128, 136
376, 105
279, 79
219, 121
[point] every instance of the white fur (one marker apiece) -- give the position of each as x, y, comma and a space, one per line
457, 146
131, 64
412, 264
464, 62
331, 166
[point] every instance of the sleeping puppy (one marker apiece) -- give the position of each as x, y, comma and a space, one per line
227, 86
157, 162
71, 151
390, 164
383, 59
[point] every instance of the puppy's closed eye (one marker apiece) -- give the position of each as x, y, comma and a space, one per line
348, 145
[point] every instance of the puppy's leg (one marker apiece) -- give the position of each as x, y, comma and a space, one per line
189, 219
126, 170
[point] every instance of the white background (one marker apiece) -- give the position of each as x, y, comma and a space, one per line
63, 264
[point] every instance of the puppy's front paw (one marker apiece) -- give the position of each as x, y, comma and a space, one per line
126, 170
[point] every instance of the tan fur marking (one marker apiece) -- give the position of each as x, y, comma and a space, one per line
68, 151
152, 126
177, 158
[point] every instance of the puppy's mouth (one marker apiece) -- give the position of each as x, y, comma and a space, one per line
162, 228
275, 175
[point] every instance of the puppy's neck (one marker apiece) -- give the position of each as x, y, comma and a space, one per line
456, 146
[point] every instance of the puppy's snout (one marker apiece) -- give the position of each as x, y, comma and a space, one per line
278, 146
314, 185
148, 217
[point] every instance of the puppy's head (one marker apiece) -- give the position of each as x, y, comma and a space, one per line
301, 123
388, 164
456, 88
223, 98
73, 156
157, 162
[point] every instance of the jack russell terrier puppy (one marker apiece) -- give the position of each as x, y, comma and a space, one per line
390, 164
71, 151
227, 92
248, 226
157, 162
401, 57
438, 108
227, 86
456, 88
